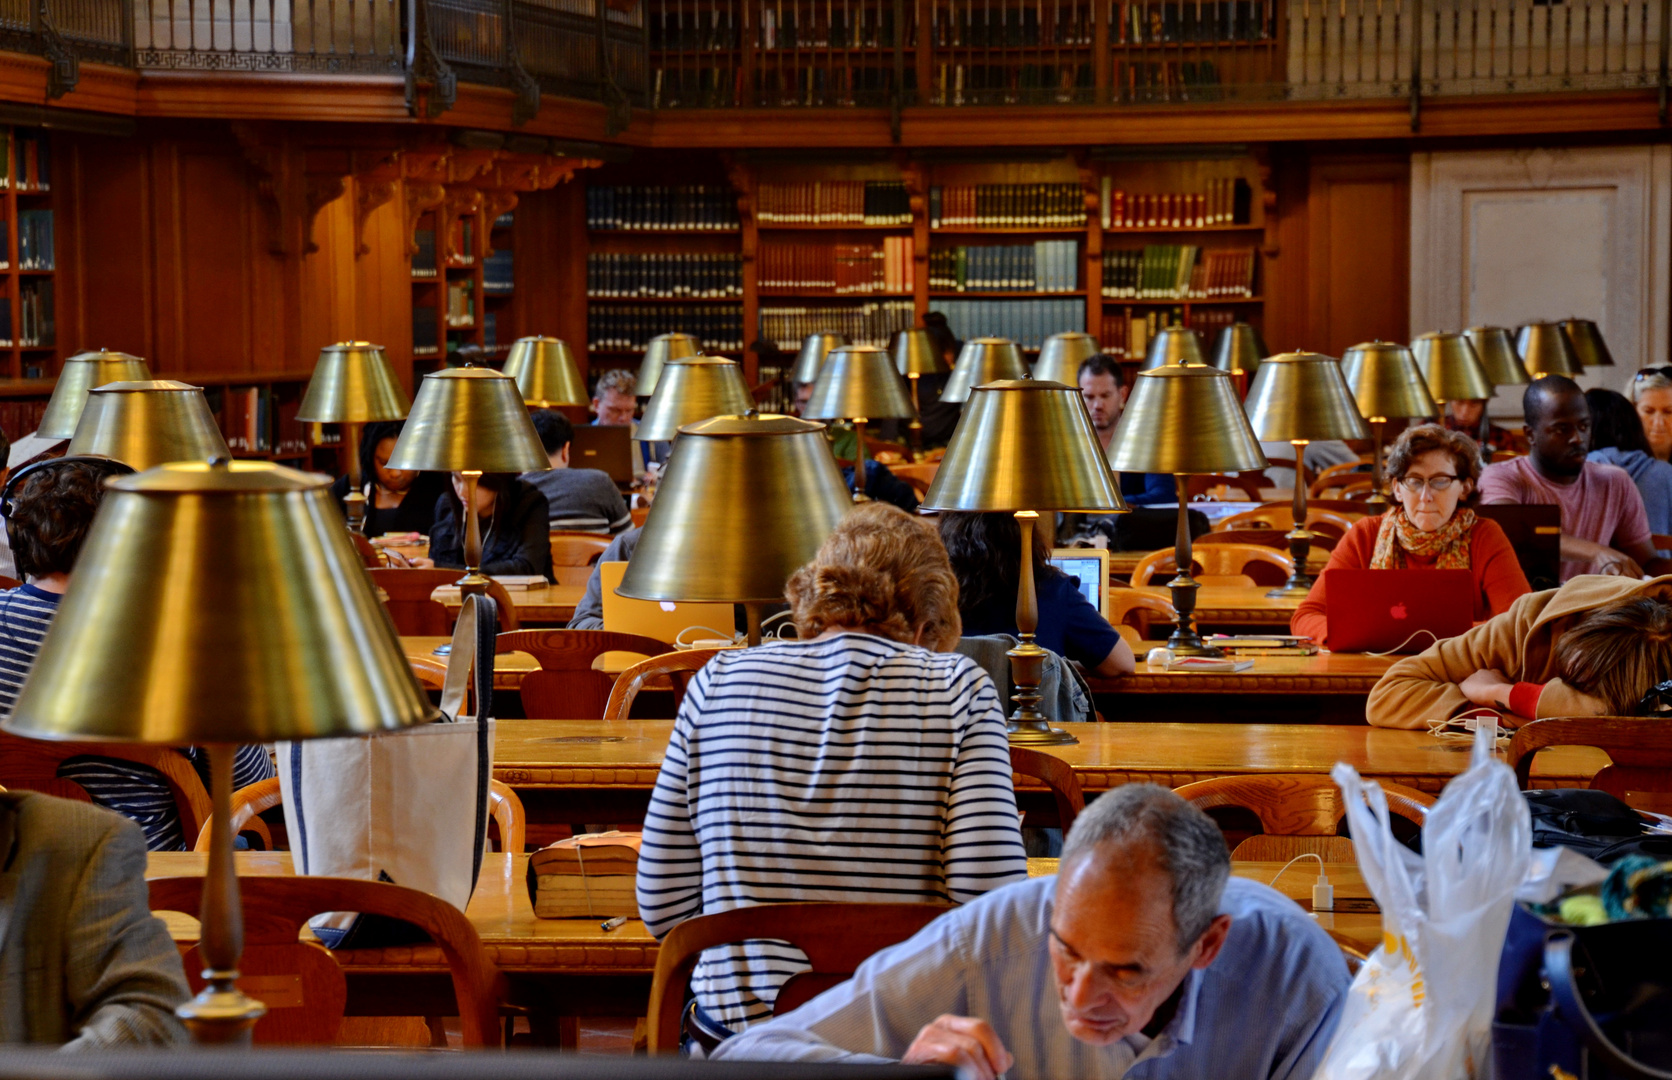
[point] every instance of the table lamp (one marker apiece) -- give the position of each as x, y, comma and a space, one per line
1020, 447
1387, 385
1174, 345
1298, 398
1061, 355
859, 383
662, 348
983, 360
1587, 343
1451, 368
744, 504
1546, 350
917, 355
353, 385
148, 423
691, 389
546, 373
1496, 351
263, 627
1184, 419
1239, 351
813, 351
82, 372
471, 421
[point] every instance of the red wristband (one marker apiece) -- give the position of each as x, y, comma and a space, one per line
1523, 698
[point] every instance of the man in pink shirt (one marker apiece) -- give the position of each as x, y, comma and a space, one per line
1605, 529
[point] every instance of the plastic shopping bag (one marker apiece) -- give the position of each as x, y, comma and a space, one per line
1421, 1006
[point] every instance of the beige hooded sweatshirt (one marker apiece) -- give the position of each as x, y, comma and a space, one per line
1520, 643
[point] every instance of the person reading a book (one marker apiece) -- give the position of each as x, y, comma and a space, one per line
1433, 473
397, 500
511, 514
1142, 957
863, 761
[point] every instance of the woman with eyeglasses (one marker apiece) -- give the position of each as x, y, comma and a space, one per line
1618, 438
1651, 395
1434, 474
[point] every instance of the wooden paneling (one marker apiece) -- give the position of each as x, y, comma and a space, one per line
104, 232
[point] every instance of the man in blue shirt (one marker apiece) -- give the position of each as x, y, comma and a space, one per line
1104, 389
1139, 960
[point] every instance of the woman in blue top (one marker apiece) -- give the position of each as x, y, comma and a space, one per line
1617, 438
984, 549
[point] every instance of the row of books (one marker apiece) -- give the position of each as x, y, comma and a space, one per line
988, 26
1042, 266
34, 240
461, 302
1225, 201
1006, 205
862, 324
1127, 335
664, 275
822, 26
834, 202
847, 269
1149, 22
35, 309
19, 418
1013, 84
629, 329
1140, 81
426, 331
253, 422
645, 208
1026, 322
423, 260
676, 30
810, 87
498, 273
25, 160
1177, 272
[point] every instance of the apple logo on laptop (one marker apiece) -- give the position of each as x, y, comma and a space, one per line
1397, 611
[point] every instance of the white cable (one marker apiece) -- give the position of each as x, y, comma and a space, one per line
1407, 641
1293, 861
1323, 893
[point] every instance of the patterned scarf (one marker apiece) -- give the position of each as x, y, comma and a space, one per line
1448, 545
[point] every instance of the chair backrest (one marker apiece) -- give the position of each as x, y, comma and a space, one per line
1055, 774
1296, 804
679, 665
567, 686
1330, 523
1364, 462
500, 595
1640, 749
32, 765
639, 514
1245, 485
570, 548
1134, 610
409, 603
368, 554
9, 582
1221, 561
836, 938
1276, 539
300, 983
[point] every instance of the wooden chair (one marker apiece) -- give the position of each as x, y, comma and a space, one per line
1276, 539
32, 765
837, 938
1055, 774
1342, 485
408, 592
9, 582
1247, 484
504, 805
679, 665
639, 514
1281, 516
1221, 564
1639, 747
300, 982
368, 554
1131, 610
1299, 813
886, 453
573, 554
567, 686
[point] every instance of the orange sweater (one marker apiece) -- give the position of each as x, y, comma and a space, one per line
1498, 576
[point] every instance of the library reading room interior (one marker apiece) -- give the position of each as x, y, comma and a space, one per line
1045, 539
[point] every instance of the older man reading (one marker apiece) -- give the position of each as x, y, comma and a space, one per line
1140, 959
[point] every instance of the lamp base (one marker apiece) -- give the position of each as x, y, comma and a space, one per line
861, 497
474, 582
1379, 501
1296, 588
1036, 733
1192, 645
354, 510
222, 1014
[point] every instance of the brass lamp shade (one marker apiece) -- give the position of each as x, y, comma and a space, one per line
1496, 350
353, 383
745, 502
662, 348
811, 357
148, 423
1453, 371
546, 372
82, 372
469, 419
1587, 343
1386, 382
272, 630
1300, 397
1024, 445
1174, 345
915, 354
1546, 350
1061, 356
1184, 418
691, 389
983, 360
1239, 349
858, 382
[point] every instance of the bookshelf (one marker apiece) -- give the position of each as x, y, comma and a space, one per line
28, 325
463, 271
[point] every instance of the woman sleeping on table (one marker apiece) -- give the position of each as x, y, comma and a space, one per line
1434, 473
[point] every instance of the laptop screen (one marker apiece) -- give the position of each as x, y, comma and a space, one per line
1088, 572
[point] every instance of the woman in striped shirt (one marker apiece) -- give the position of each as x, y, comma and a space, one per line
860, 763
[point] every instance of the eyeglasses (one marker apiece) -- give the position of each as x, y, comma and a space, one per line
1415, 484
1663, 372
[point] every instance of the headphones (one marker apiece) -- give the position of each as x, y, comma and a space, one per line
107, 468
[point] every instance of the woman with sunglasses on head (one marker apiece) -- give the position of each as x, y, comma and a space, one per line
1434, 473
1651, 395
1618, 438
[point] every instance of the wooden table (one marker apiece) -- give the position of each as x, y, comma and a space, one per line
551, 604
1329, 688
1236, 609
508, 667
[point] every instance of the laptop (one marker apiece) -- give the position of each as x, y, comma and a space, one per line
1535, 532
662, 620
1396, 611
605, 447
1089, 567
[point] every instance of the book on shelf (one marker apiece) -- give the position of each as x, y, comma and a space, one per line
862, 324
1006, 206
423, 260
834, 202
19, 418
1026, 322
461, 302
1225, 201
6, 339
464, 242
676, 29
505, 220
425, 331
36, 313
1166, 80
1152, 22
34, 240
31, 170
245, 415
1042, 266
1177, 272
1127, 332
639, 208
498, 274
291, 433
846, 269
706, 86
587, 876
626, 328
490, 330
1008, 84
663, 275
861, 27
995, 26
5, 245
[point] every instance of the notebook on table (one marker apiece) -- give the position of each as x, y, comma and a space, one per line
662, 620
1089, 567
1396, 611
1535, 532
606, 447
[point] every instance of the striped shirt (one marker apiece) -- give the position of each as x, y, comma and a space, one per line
850, 769
137, 792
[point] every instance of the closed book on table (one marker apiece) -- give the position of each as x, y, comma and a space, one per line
585, 877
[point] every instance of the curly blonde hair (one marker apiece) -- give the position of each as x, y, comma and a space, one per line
881, 571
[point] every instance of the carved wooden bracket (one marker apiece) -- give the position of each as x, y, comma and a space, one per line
421, 197
742, 179
1268, 201
369, 194
462, 201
